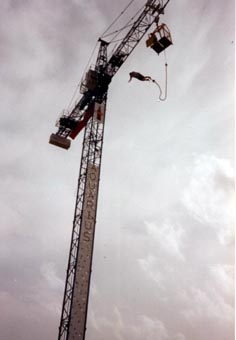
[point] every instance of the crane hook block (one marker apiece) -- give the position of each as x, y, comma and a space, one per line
160, 39
57, 140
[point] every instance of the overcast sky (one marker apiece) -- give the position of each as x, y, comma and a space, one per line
163, 257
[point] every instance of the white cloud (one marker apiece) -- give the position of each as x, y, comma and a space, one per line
179, 336
223, 276
112, 324
208, 305
136, 327
48, 271
168, 236
209, 196
44, 52
150, 266
152, 328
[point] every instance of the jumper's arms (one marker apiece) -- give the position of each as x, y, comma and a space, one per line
150, 14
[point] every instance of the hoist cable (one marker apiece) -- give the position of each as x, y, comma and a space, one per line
90, 58
117, 18
129, 23
103, 35
115, 41
76, 89
117, 31
73, 97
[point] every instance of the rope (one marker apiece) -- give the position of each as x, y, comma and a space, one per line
115, 41
72, 99
85, 69
118, 17
117, 31
92, 54
90, 58
129, 23
154, 81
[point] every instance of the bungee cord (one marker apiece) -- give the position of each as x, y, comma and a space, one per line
114, 40
166, 80
155, 82
141, 77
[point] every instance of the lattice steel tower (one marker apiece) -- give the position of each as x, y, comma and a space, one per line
89, 112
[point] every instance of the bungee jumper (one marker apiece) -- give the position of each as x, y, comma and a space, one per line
139, 76
158, 40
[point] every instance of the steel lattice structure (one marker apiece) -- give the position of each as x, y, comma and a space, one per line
150, 14
76, 295
74, 310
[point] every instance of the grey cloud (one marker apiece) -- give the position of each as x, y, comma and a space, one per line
155, 252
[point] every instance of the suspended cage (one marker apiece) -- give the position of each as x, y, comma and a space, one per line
160, 39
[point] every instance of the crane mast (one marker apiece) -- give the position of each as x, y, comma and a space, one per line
75, 302
93, 106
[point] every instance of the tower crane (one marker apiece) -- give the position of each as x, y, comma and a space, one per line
89, 112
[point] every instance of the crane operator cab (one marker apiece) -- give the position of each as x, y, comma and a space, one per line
160, 39
90, 82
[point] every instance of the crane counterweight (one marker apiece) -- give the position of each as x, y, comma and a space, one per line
57, 140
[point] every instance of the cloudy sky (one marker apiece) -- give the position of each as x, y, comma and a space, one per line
163, 258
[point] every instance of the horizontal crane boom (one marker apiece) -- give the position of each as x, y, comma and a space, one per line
150, 14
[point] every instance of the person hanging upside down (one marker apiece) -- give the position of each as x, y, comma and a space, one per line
139, 76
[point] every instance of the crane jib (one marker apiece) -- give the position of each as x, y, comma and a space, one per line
150, 14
